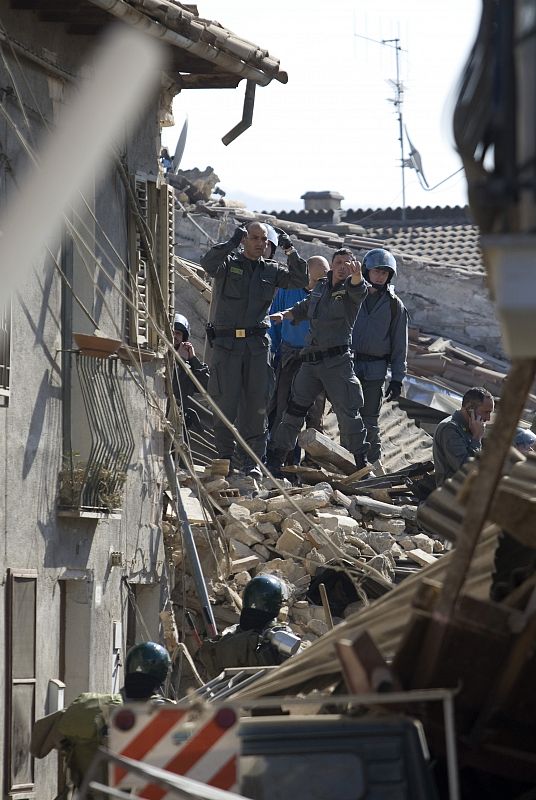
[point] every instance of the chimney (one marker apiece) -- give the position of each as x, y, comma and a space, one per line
322, 201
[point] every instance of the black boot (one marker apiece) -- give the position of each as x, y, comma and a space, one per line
275, 458
360, 461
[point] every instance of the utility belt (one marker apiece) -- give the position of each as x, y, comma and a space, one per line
234, 333
366, 357
320, 355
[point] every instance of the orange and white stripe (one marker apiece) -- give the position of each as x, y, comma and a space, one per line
164, 737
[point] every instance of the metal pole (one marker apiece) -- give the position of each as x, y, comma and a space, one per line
450, 747
399, 91
189, 543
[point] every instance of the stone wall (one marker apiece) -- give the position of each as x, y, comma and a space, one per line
440, 299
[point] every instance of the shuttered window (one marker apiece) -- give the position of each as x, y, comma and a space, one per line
20, 678
5, 349
151, 291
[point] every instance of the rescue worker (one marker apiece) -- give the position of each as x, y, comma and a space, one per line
258, 639
327, 362
459, 437
241, 375
80, 729
183, 387
379, 340
287, 344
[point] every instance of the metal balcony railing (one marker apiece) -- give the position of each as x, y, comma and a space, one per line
97, 483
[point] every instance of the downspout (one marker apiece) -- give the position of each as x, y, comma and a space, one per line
247, 115
120, 9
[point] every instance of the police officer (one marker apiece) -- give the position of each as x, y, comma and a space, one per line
183, 387
78, 731
379, 340
327, 362
258, 639
241, 374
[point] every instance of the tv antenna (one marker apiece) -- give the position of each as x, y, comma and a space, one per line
397, 102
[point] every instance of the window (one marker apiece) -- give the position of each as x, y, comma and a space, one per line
20, 678
150, 290
5, 349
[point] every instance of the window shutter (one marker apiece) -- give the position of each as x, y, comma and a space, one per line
137, 316
166, 247
5, 348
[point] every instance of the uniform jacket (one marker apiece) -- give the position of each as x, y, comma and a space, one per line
331, 311
453, 445
243, 290
376, 333
182, 381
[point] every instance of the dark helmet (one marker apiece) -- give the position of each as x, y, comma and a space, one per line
148, 658
182, 324
265, 593
381, 259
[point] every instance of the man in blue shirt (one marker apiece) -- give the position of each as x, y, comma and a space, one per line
287, 343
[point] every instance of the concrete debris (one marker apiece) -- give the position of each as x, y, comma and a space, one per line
260, 531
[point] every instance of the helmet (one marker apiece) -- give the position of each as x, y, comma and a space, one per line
381, 259
524, 439
272, 236
265, 593
148, 658
182, 324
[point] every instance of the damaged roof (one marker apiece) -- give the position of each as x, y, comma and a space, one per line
207, 54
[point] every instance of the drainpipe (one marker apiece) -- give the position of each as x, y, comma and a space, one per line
247, 115
120, 9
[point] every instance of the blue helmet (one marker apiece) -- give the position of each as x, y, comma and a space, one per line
380, 259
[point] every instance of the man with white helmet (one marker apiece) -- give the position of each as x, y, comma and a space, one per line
183, 386
379, 341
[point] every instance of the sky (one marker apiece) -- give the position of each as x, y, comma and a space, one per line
332, 126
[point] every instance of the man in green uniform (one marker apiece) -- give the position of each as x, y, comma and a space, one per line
240, 372
258, 639
80, 729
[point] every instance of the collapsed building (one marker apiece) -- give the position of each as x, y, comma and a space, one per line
381, 555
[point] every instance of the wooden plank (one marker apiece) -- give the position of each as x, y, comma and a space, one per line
421, 557
406, 512
482, 488
363, 666
360, 473
322, 448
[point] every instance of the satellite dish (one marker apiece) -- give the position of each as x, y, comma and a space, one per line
415, 161
179, 150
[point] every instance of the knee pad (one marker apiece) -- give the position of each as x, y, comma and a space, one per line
295, 410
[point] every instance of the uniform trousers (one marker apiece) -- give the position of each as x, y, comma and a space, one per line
241, 380
335, 375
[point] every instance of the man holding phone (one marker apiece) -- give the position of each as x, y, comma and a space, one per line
459, 437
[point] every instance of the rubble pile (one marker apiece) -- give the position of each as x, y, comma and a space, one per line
358, 546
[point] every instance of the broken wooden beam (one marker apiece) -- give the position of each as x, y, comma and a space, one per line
323, 449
